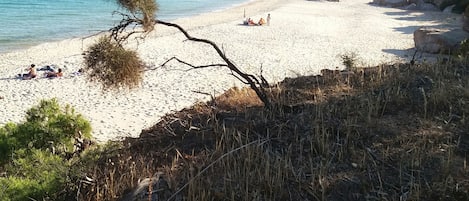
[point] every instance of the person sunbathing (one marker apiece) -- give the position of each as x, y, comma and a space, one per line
251, 22
32, 73
52, 74
261, 21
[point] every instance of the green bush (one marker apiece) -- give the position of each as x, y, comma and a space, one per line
349, 60
36, 174
31, 153
6, 142
47, 126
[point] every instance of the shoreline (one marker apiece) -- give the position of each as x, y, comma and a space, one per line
21, 46
303, 38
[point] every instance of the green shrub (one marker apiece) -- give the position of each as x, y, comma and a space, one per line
463, 50
47, 126
36, 174
349, 60
31, 152
6, 142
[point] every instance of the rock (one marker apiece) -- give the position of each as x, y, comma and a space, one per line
438, 40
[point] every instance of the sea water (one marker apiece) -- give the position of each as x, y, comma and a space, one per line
25, 23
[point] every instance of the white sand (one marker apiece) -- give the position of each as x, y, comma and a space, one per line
303, 38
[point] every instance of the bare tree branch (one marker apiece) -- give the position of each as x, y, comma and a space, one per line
127, 20
251, 80
190, 65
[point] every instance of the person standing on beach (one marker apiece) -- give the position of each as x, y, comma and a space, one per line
268, 19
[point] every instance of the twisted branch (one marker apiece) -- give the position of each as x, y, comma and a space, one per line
249, 79
190, 65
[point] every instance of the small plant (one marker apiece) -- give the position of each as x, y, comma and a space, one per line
349, 60
463, 49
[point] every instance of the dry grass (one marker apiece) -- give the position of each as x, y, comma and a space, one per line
395, 132
238, 99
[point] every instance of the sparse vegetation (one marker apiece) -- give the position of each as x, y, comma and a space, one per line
349, 60
394, 132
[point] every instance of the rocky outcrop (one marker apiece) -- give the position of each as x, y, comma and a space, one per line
439, 40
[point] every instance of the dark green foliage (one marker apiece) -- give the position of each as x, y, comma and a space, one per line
35, 174
6, 141
47, 126
463, 49
460, 5
113, 66
32, 154
349, 60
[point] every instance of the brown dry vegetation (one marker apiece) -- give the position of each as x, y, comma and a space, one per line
113, 66
396, 132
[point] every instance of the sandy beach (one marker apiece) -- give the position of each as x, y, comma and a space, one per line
303, 38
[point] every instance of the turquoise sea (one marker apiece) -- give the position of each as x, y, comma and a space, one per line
30, 22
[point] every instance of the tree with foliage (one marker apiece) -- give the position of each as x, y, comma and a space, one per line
34, 154
47, 126
109, 63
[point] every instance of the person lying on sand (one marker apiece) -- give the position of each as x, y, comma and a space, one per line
251, 22
32, 73
54, 74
